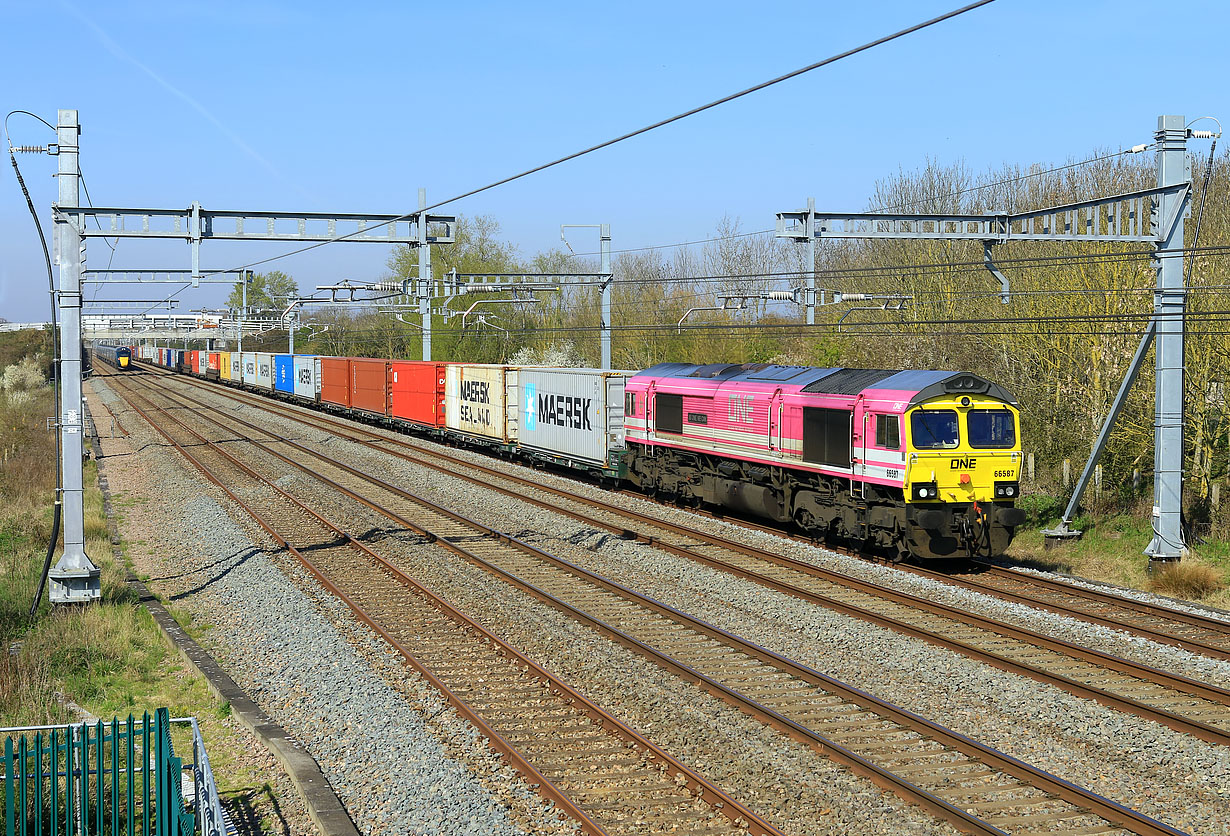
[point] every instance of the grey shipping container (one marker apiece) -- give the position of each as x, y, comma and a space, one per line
576, 415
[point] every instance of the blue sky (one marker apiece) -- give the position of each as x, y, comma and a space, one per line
319, 106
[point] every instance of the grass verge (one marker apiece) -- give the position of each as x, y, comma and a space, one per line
104, 659
1111, 551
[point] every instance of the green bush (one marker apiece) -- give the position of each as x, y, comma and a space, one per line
1040, 508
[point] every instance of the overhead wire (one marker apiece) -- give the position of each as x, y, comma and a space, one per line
57, 394
885, 208
422, 212
950, 266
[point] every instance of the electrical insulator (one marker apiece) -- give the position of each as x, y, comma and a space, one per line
31, 149
390, 287
781, 295
1200, 134
855, 297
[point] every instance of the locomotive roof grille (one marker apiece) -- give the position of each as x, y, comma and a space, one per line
723, 369
848, 381
779, 373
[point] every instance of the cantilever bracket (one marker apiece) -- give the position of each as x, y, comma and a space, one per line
194, 241
990, 265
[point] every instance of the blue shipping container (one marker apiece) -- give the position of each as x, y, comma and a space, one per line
284, 373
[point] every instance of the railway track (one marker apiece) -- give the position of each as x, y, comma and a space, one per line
1190, 631
1187, 705
977, 788
601, 773
1205, 635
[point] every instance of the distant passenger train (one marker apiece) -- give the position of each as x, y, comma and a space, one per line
116, 356
922, 464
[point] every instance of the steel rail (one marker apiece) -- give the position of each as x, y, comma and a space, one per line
703, 788
1161, 614
1104, 808
1203, 731
976, 583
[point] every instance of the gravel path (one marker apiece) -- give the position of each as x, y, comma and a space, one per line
400, 758
1179, 780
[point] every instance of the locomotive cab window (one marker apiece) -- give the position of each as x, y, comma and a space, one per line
668, 411
629, 403
991, 428
888, 432
934, 429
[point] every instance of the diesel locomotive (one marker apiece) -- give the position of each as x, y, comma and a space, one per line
914, 463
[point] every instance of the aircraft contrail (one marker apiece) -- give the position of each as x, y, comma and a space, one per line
119, 52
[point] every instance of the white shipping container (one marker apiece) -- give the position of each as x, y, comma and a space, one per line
264, 370
476, 400
575, 414
249, 368
307, 377
236, 367
202, 362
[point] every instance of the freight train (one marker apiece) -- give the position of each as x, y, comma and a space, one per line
905, 464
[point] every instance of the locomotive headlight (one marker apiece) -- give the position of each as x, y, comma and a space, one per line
925, 490
965, 401
1007, 490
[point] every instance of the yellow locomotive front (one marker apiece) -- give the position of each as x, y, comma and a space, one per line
963, 471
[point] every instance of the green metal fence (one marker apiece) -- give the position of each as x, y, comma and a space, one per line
116, 778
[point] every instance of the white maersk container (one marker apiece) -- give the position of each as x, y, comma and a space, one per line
477, 402
236, 367
307, 377
574, 415
249, 368
264, 370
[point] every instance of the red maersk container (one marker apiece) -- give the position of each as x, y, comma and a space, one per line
194, 364
335, 380
215, 361
416, 391
369, 387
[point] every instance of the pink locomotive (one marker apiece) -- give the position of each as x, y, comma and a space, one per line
921, 463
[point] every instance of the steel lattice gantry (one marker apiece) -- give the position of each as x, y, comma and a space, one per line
75, 578
197, 224
1151, 216
1124, 218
